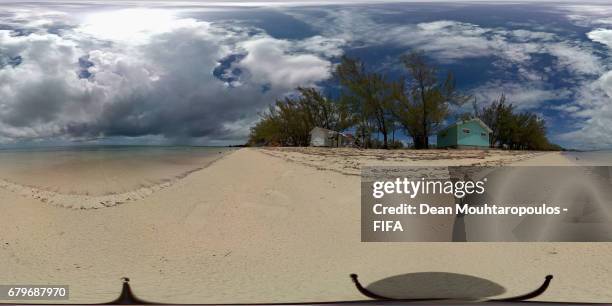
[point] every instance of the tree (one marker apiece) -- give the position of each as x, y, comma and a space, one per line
322, 112
474, 114
498, 116
518, 131
422, 107
289, 121
370, 96
268, 130
375, 105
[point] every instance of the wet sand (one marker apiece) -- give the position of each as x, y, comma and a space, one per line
97, 177
266, 226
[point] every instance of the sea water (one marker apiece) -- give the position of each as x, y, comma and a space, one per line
599, 157
94, 170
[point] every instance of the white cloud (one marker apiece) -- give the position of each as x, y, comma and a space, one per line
587, 14
135, 24
145, 81
593, 114
324, 46
526, 35
268, 62
449, 40
603, 36
522, 96
575, 58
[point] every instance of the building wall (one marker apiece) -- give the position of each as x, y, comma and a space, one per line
319, 138
326, 138
456, 137
477, 137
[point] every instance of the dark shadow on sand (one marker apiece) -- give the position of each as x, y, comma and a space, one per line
433, 285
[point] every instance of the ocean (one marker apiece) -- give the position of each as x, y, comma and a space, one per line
600, 157
98, 170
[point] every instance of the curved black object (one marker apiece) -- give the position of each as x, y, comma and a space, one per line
127, 297
519, 298
529, 295
365, 291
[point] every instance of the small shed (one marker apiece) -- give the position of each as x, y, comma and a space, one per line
320, 137
465, 134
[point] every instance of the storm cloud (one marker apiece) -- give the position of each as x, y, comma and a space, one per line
97, 79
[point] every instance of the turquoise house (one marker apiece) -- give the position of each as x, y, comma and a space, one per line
465, 134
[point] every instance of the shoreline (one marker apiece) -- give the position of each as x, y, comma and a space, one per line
300, 156
85, 202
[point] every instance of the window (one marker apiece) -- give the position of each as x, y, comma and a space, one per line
467, 131
483, 134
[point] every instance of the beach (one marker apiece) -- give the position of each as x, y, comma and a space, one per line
257, 225
96, 177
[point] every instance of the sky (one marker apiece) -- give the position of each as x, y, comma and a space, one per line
200, 72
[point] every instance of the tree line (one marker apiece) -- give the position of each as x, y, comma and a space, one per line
375, 106
511, 129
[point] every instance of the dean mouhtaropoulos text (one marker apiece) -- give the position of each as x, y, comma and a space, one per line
466, 209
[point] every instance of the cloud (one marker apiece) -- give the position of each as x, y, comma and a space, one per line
603, 36
324, 46
88, 81
522, 96
576, 59
586, 14
527, 35
42, 88
449, 40
268, 62
592, 113
445, 39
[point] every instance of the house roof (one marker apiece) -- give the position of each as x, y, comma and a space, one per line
460, 122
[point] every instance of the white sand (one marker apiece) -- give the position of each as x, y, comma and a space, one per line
258, 228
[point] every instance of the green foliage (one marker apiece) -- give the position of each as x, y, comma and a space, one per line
396, 144
422, 106
370, 97
289, 121
513, 130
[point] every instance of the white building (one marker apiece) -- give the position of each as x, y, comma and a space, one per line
320, 137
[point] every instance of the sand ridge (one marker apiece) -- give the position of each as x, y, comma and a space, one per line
348, 161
